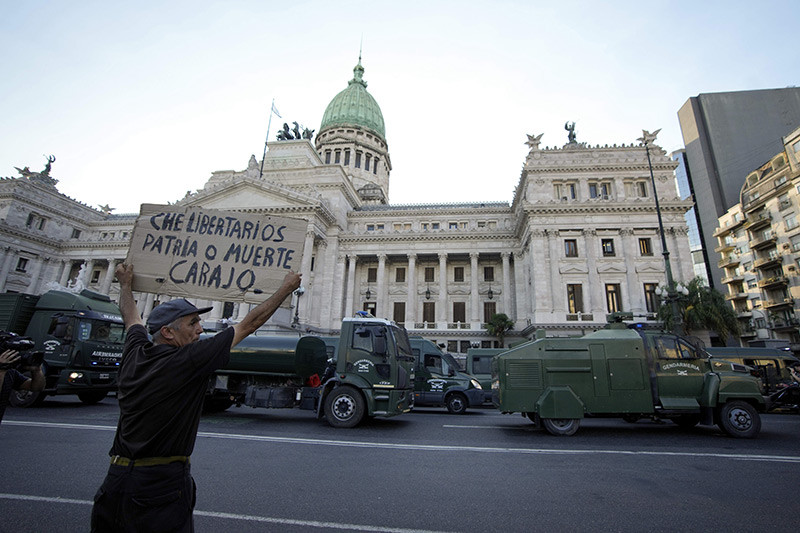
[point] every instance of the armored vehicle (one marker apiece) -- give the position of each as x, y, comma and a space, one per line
625, 372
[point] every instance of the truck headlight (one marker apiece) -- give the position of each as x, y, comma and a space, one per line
75, 376
475, 383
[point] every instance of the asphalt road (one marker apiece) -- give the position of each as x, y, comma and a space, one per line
284, 470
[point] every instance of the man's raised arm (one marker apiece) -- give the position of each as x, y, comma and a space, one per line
261, 313
127, 305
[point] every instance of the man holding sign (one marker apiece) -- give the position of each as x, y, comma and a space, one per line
161, 388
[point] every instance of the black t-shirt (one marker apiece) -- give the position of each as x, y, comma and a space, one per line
161, 391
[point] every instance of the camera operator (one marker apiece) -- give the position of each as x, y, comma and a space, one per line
13, 379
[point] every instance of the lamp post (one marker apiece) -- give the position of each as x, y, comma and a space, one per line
671, 292
296, 320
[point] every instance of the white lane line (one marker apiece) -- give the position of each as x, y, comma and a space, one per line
446, 448
244, 517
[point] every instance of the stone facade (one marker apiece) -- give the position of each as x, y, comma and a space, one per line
579, 239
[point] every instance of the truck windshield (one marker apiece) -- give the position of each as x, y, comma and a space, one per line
101, 331
403, 344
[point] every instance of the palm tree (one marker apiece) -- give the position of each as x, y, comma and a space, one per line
498, 325
703, 308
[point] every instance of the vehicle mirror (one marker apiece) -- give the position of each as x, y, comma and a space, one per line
451, 372
62, 329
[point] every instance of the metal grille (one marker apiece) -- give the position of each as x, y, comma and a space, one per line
525, 374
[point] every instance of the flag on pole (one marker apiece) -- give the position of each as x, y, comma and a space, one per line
275, 110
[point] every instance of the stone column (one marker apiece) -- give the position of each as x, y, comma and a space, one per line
521, 289
631, 250
308, 253
65, 273
383, 293
553, 285
11, 253
338, 294
351, 286
105, 286
589, 239
474, 294
35, 272
441, 312
411, 297
507, 285
216, 312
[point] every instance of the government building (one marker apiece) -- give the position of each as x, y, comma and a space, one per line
578, 240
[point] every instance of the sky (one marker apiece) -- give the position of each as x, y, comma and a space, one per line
141, 101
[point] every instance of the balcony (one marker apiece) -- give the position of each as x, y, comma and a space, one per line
764, 242
736, 296
744, 314
747, 332
574, 317
755, 222
776, 304
774, 281
768, 262
725, 247
424, 325
785, 325
458, 325
733, 279
729, 261
724, 230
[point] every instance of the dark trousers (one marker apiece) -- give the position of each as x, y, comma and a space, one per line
145, 499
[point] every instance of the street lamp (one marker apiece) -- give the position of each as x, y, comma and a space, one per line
490, 294
296, 320
670, 292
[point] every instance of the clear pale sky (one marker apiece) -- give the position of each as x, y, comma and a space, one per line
142, 101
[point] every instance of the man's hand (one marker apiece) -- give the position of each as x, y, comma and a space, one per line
8, 358
124, 274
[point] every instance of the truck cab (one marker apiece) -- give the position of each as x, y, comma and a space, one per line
439, 381
624, 372
479, 366
82, 337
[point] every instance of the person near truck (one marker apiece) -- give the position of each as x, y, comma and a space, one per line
162, 383
12, 379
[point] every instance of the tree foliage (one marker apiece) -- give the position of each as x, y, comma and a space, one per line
703, 308
498, 325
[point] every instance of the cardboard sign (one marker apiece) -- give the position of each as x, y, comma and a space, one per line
191, 252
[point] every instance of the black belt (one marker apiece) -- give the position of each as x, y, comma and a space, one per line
118, 460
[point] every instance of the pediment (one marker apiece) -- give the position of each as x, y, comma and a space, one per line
611, 268
650, 268
573, 269
248, 194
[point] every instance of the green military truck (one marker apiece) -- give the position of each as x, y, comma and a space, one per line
370, 374
438, 380
624, 372
479, 366
81, 335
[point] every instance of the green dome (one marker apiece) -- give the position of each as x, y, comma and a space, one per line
354, 106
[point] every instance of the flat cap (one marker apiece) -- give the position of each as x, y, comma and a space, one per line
171, 311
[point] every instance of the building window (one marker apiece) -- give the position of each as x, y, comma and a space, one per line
575, 298
372, 274
600, 190
613, 297
370, 307
489, 310
76, 233
347, 158
459, 312
458, 274
488, 273
650, 298
358, 159
400, 275
608, 247
645, 246
428, 274
791, 222
566, 191
429, 311
641, 189
452, 225
337, 156
22, 264
399, 312
375, 166
327, 157
570, 248
367, 161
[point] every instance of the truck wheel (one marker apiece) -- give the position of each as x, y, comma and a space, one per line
631, 418
216, 405
456, 404
344, 407
26, 398
739, 419
561, 426
92, 397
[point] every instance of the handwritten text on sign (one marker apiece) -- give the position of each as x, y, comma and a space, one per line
213, 254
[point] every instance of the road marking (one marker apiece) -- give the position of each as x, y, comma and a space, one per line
442, 448
244, 517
